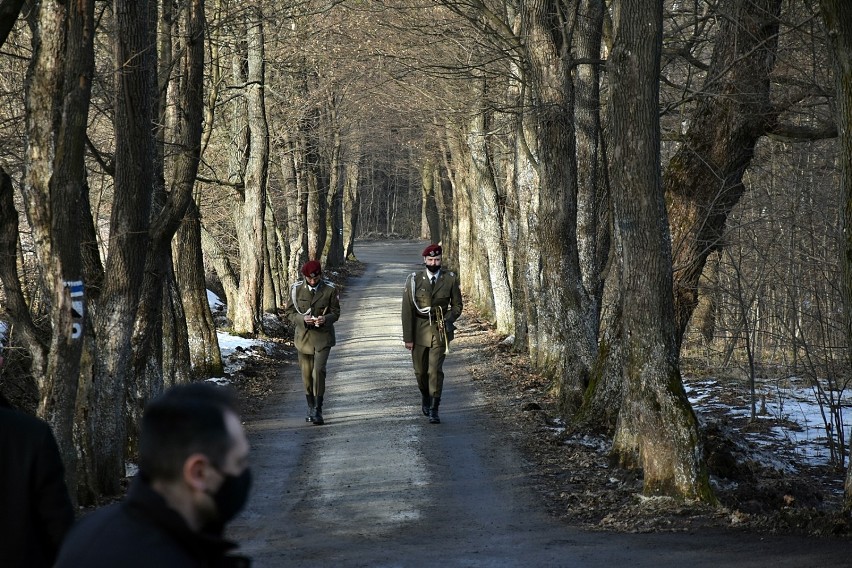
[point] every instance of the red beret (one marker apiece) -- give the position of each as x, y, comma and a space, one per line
432, 250
312, 268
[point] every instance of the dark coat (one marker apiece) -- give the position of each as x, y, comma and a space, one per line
35, 509
142, 531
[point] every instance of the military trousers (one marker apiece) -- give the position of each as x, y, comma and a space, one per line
429, 367
313, 371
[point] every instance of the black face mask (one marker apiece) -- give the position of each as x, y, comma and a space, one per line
232, 495
433, 269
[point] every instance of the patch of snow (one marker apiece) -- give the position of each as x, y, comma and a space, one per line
796, 430
216, 303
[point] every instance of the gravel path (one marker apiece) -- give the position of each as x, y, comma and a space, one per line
378, 486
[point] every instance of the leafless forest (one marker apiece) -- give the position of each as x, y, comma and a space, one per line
631, 190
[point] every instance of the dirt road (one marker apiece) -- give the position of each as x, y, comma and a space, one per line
378, 486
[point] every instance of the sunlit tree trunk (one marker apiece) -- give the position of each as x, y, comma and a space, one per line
249, 211
564, 337
488, 220
205, 357
57, 104
657, 429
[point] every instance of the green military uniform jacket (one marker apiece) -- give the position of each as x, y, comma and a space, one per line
325, 301
420, 303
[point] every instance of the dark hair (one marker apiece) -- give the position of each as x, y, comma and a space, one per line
184, 420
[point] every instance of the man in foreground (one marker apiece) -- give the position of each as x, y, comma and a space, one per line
193, 479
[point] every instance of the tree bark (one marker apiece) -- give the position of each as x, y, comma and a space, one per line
249, 213
703, 180
488, 221
564, 336
657, 428
334, 257
57, 103
204, 355
351, 199
430, 225
128, 244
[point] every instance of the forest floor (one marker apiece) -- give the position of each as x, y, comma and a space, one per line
574, 476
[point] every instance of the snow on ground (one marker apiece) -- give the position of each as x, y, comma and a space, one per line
795, 425
235, 350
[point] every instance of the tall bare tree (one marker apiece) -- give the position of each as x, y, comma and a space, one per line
128, 242
657, 429
249, 210
704, 179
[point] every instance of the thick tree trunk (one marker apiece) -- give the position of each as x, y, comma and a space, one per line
273, 282
564, 337
57, 103
703, 180
657, 429
204, 355
129, 242
602, 399
837, 15
249, 214
592, 219
488, 221
161, 345
430, 224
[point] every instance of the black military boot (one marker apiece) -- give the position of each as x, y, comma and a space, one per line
433, 411
318, 413
425, 403
311, 405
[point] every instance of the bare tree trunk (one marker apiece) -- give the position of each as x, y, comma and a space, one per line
57, 103
592, 223
351, 199
129, 242
204, 355
703, 180
488, 221
161, 314
334, 257
565, 337
249, 213
273, 282
837, 15
657, 429
430, 225
602, 400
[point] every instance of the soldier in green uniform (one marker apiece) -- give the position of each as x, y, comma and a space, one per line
313, 307
431, 302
